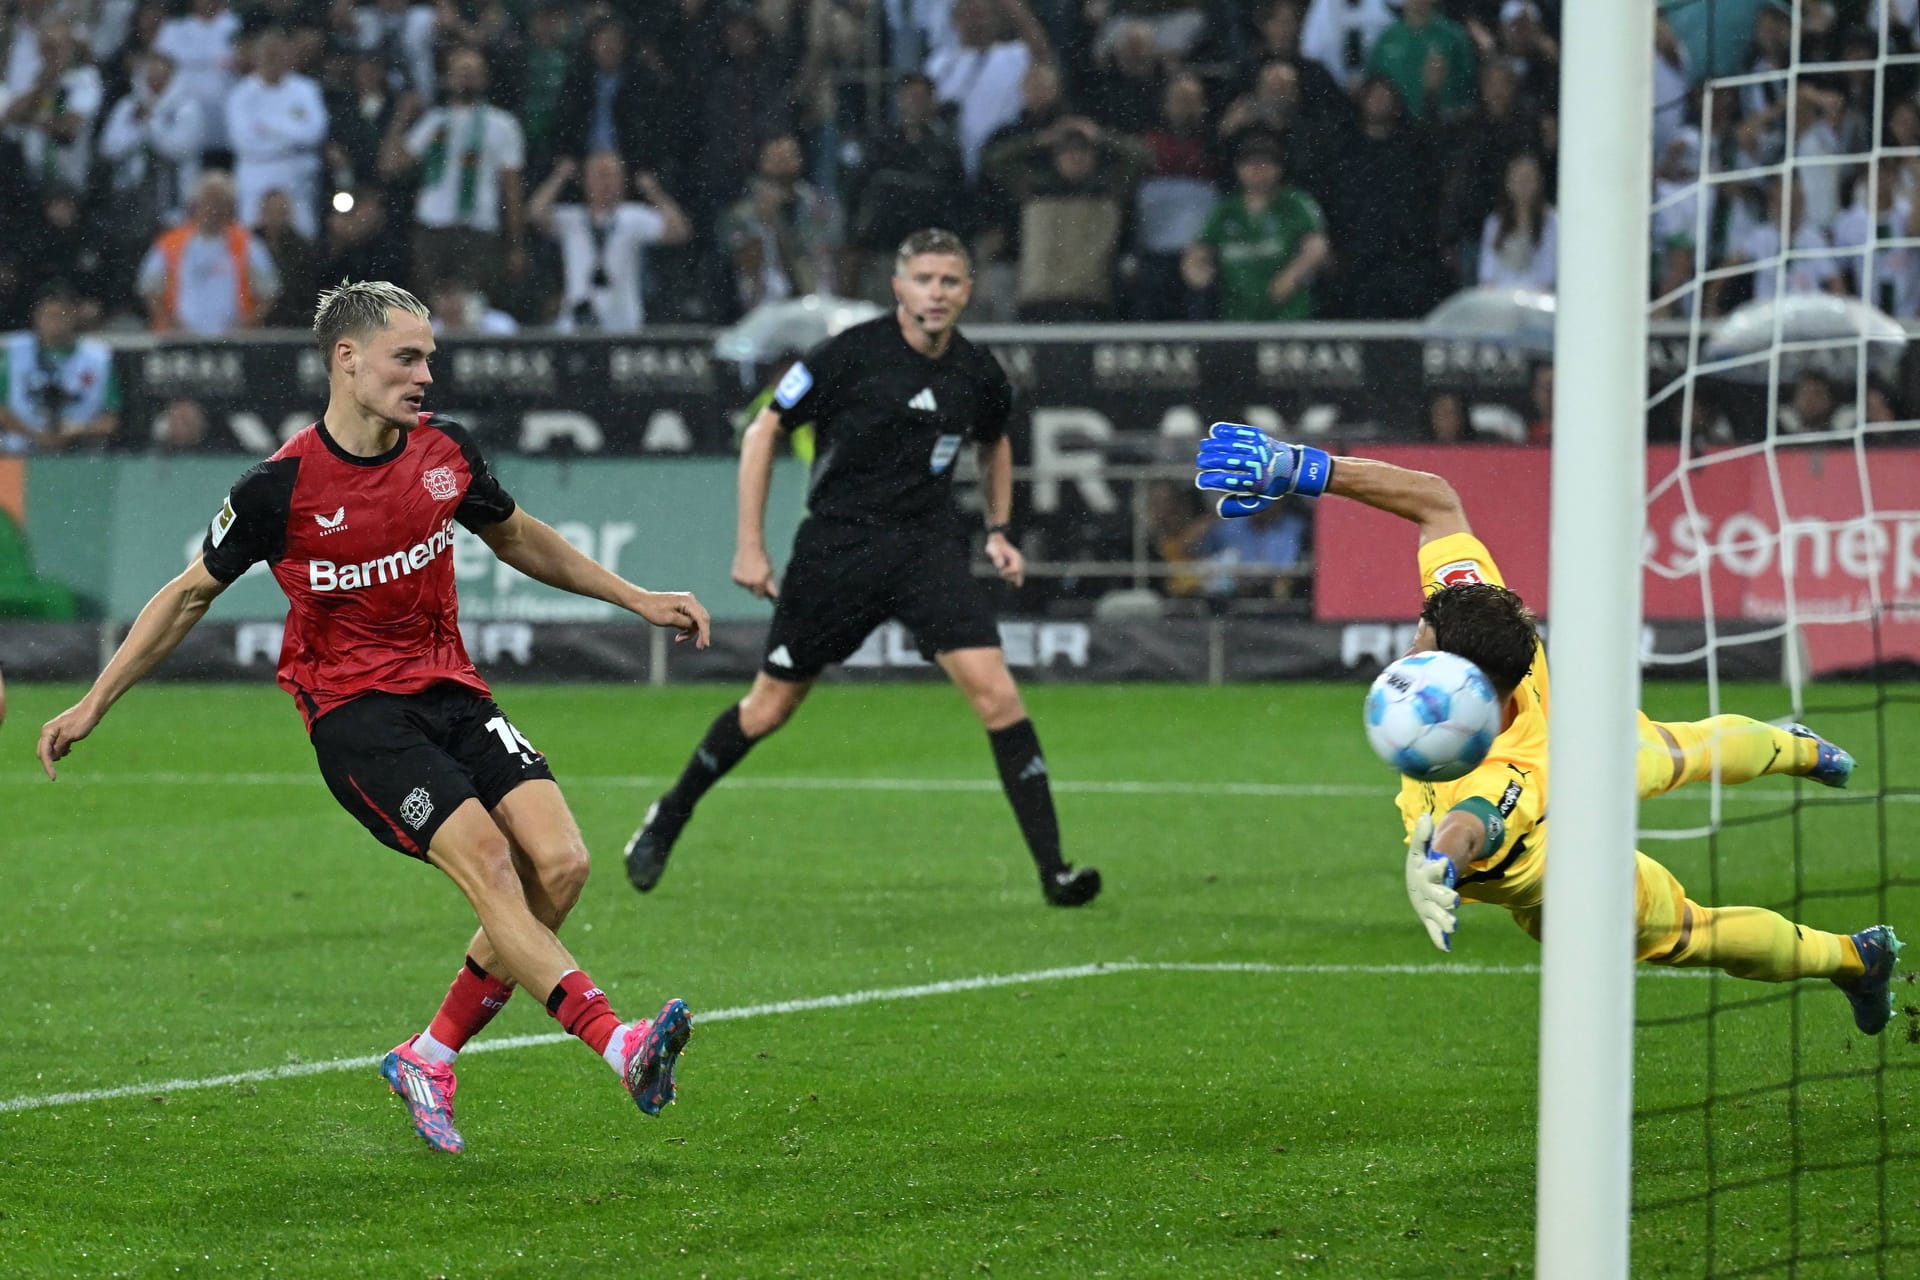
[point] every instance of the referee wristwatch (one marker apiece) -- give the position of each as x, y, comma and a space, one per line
1003, 529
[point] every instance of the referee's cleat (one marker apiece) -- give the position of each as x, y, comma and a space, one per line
427, 1089
647, 851
651, 1050
1871, 994
1071, 886
1833, 766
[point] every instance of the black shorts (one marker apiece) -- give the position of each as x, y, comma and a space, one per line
846, 579
401, 763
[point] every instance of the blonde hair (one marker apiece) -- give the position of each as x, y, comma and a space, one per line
931, 240
357, 309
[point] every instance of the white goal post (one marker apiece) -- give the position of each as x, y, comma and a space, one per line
1584, 1196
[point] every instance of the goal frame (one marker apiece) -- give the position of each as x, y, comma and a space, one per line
1584, 1191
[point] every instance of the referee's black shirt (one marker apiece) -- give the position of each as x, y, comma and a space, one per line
890, 423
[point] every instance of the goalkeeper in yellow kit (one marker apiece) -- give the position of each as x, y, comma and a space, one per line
1483, 837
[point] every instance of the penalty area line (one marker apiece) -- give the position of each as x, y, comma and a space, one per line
739, 1013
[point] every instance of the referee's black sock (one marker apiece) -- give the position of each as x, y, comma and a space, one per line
1023, 773
725, 745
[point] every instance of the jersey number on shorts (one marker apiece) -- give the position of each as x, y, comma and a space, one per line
511, 738
943, 451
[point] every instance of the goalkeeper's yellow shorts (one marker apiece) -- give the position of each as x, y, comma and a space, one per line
1659, 909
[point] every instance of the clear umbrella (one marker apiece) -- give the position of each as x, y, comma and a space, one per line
1520, 319
774, 329
1817, 331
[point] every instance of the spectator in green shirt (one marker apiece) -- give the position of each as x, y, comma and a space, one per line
1262, 244
1429, 57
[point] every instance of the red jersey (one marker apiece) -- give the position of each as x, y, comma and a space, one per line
363, 547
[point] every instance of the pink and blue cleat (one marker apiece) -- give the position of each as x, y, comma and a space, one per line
1833, 766
651, 1050
1871, 994
427, 1089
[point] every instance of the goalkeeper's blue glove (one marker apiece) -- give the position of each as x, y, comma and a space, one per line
1430, 883
1254, 470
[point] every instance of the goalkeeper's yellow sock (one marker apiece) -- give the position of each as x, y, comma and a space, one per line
1747, 749
1752, 942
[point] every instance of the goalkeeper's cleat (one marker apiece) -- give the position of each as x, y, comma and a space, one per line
647, 851
1832, 766
1071, 886
1871, 994
427, 1089
651, 1050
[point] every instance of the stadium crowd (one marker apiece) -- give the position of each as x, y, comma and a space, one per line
202, 165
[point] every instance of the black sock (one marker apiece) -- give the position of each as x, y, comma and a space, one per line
1023, 773
725, 745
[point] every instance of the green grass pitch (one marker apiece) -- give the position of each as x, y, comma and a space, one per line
1276, 1075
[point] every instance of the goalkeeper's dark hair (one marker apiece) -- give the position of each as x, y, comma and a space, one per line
359, 309
1486, 625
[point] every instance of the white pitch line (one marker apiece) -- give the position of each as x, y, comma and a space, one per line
843, 1000
1202, 790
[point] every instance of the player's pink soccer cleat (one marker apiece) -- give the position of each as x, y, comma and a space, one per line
427, 1089
651, 1050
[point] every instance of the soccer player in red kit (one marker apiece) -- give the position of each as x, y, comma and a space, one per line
354, 516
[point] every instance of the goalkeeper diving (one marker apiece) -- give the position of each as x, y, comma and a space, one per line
1483, 837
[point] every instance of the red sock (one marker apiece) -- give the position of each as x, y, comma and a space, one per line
582, 1009
471, 1002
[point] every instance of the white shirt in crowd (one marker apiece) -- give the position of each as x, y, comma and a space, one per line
1339, 34
1514, 262
447, 137
67, 162
276, 131
985, 84
1804, 274
1672, 96
1820, 194
209, 296
202, 53
616, 246
405, 38
1894, 284
918, 29
23, 60
164, 147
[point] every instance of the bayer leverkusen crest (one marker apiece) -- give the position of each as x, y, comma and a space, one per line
441, 483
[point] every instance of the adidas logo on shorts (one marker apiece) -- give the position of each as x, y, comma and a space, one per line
924, 401
780, 657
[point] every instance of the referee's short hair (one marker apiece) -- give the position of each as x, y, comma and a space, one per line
357, 309
931, 240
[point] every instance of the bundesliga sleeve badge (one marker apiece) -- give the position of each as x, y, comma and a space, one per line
221, 522
797, 383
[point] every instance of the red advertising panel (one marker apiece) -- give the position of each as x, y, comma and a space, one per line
1718, 537
1366, 566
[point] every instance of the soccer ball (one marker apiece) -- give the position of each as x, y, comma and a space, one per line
1433, 716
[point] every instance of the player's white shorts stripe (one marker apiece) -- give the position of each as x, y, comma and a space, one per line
843, 1000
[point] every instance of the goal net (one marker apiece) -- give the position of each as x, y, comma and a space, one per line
1782, 576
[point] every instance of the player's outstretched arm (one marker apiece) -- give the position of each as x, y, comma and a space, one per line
1437, 860
1426, 499
157, 632
1253, 470
752, 568
536, 549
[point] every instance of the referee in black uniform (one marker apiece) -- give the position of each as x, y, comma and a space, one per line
892, 401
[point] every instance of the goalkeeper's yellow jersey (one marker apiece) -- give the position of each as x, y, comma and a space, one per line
1513, 777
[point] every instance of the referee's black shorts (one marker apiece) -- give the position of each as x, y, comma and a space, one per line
846, 579
401, 763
